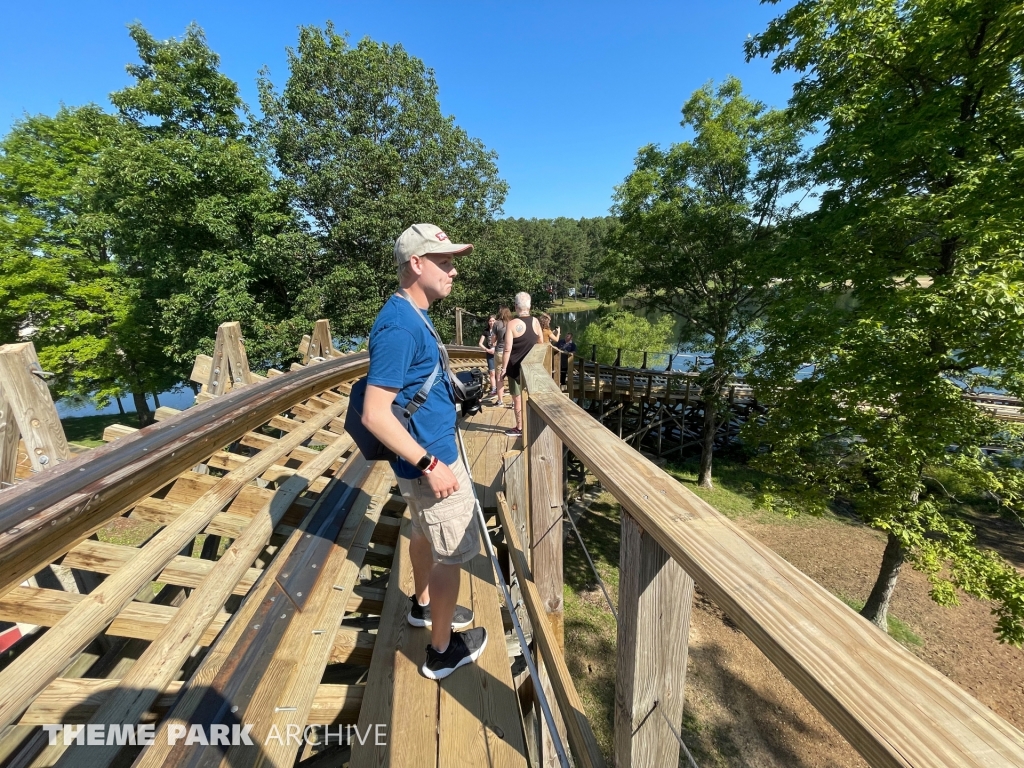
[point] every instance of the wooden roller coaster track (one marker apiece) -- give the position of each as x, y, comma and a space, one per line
272, 587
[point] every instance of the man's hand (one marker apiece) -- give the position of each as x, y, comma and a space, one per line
442, 481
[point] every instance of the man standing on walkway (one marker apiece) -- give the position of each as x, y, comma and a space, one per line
404, 356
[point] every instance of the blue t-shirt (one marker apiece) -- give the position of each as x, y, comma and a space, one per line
403, 354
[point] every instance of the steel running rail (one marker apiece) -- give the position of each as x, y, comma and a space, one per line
545, 707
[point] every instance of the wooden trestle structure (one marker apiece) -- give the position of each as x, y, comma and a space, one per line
662, 412
292, 618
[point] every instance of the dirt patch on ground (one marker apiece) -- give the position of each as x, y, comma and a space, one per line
742, 712
958, 642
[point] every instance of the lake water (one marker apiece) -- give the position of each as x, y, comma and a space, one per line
180, 398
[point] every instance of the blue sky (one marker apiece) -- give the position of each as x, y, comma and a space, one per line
564, 92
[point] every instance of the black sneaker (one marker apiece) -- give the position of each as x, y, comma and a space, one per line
419, 615
514, 432
463, 648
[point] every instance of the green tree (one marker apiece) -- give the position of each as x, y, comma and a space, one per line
906, 284
59, 283
621, 330
191, 215
697, 221
497, 269
364, 151
565, 251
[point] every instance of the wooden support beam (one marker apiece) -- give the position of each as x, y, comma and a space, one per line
320, 344
230, 365
142, 621
223, 658
9, 441
26, 407
114, 431
655, 598
458, 326
42, 518
160, 663
544, 475
48, 607
581, 736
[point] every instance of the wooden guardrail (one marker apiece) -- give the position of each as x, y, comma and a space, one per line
892, 707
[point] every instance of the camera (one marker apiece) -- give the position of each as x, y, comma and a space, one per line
467, 392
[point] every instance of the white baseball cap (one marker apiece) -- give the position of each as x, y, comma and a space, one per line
421, 239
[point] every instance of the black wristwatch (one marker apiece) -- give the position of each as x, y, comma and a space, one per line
424, 463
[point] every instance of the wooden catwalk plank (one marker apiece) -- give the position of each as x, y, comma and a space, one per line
398, 697
479, 722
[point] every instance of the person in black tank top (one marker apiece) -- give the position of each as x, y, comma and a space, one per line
522, 335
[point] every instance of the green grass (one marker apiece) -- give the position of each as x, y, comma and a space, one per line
126, 531
736, 486
87, 431
574, 305
898, 630
590, 629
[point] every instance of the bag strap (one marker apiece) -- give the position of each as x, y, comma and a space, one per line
442, 351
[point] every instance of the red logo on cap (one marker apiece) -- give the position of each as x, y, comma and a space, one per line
441, 236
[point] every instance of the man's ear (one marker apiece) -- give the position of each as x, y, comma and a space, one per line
416, 264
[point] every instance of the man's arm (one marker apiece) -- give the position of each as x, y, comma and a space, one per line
379, 419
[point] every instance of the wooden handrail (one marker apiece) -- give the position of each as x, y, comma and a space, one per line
895, 709
581, 735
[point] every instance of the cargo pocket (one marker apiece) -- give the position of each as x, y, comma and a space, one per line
452, 533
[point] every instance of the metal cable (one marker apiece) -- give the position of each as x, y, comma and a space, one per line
679, 738
565, 507
538, 689
668, 722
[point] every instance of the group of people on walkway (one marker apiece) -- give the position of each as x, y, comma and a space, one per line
507, 341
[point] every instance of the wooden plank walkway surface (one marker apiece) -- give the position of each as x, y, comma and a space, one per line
471, 718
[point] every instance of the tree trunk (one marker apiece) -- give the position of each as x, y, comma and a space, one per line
710, 427
156, 400
142, 409
877, 607
120, 406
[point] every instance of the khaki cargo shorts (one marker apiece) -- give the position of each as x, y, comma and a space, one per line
448, 524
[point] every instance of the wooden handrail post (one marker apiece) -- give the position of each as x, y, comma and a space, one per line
544, 477
458, 326
655, 598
